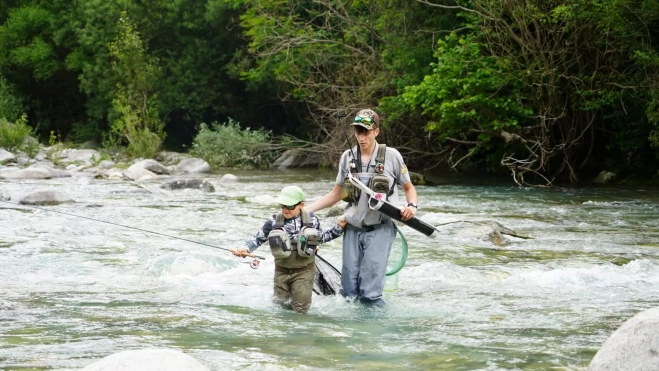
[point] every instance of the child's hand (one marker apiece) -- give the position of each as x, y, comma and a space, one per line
240, 251
342, 222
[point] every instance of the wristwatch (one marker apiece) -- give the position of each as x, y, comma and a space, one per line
412, 204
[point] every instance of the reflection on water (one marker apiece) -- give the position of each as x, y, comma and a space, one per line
75, 290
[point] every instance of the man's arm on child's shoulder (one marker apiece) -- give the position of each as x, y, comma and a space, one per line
330, 234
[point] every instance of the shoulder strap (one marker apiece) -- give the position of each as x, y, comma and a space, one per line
279, 220
306, 218
379, 158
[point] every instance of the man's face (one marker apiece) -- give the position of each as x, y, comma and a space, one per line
365, 137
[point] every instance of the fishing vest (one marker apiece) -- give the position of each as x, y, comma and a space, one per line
297, 252
379, 183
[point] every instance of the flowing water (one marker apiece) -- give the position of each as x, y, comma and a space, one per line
75, 290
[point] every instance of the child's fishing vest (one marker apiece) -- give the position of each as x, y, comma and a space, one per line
297, 252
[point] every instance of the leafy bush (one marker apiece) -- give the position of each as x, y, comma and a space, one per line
10, 106
228, 146
16, 136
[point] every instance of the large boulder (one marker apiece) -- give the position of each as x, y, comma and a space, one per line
151, 165
6, 156
147, 360
29, 173
633, 346
55, 173
297, 158
605, 177
46, 197
193, 165
70, 155
139, 173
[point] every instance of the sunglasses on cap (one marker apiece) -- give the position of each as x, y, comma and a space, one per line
364, 120
289, 208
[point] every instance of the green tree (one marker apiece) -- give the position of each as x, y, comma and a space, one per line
135, 102
575, 64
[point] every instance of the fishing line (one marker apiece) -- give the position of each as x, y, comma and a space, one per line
129, 227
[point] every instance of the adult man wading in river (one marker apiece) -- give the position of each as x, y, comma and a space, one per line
369, 234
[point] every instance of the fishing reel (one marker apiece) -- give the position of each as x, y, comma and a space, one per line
254, 264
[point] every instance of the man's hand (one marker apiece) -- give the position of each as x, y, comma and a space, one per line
407, 213
342, 222
242, 251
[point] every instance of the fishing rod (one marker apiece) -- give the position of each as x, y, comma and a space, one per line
137, 229
356, 161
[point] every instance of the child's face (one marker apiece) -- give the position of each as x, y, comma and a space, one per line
292, 213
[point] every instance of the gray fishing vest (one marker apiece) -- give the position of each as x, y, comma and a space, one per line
295, 260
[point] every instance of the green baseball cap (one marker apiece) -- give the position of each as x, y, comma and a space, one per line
291, 195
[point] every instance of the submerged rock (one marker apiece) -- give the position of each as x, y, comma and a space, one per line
147, 360
200, 184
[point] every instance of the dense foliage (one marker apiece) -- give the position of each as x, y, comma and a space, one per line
546, 90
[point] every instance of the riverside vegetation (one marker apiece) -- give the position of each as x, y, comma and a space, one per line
548, 92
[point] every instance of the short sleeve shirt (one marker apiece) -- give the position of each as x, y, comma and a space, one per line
394, 168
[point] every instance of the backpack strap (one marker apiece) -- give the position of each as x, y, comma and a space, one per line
379, 165
279, 220
306, 218
379, 158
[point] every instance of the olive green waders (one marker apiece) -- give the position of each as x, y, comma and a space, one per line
296, 284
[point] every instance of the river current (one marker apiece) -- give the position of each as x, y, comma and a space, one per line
74, 289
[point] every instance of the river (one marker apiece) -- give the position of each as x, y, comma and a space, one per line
74, 290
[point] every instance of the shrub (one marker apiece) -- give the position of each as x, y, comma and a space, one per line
228, 146
16, 136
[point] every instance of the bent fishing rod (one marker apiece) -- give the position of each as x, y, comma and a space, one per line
134, 228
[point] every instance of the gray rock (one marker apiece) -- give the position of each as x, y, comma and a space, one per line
200, 184
79, 155
22, 161
138, 173
46, 197
295, 158
6, 156
193, 165
29, 173
228, 178
147, 360
106, 164
337, 209
605, 177
151, 165
90, 144
418, 179
633, 346
170, 158
55, 173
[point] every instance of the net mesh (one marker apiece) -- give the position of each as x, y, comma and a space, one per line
328, 278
